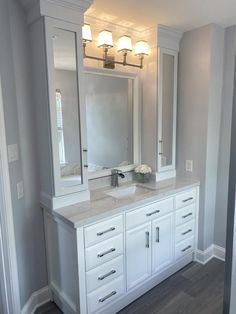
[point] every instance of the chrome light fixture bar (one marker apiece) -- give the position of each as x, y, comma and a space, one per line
105, 41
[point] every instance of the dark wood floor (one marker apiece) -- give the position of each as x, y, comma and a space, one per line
196, 289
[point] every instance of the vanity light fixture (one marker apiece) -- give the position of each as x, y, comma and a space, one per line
105, 41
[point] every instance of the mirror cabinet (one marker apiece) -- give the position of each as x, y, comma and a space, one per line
76, 106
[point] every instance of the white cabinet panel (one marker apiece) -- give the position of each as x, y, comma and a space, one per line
162, 242
185, 214
185, 231
138, 255
104, 251
149, 212
103, 230
105, 273
184, 248
185, 198
105, 295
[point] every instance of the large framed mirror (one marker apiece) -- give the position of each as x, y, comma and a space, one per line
113, 121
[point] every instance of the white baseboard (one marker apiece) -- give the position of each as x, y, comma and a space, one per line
212, 251
36, 299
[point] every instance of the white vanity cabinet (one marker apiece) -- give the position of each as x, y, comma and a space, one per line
103, 266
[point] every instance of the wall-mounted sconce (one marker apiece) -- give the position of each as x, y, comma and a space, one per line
105, 41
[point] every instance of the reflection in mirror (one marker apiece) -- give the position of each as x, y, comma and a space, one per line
167, 109
67, 107
109, 112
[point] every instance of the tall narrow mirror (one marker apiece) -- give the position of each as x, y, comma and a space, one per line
67, 107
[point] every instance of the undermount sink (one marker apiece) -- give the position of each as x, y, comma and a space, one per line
129, 191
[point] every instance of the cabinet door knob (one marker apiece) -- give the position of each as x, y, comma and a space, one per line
85, 166
85, 150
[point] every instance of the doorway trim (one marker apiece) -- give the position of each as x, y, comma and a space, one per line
8, 260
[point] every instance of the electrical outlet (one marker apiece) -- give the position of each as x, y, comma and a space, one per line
13, 154
20, 190
189, 165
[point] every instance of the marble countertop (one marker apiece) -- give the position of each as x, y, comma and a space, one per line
102, 205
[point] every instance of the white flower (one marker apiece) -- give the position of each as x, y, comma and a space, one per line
143, 169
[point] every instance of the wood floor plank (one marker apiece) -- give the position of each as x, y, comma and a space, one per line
196, 289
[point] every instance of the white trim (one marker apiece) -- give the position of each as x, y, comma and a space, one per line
7, 226
168, 37
213, 251
37, 299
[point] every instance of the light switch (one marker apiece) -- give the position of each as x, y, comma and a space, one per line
13, 154
20, 190
189, 165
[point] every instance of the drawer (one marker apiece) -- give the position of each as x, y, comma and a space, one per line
105, 295
149, 212
102, 275
185, 231
185, 214
184, 248
103, 230
185, 198
104, 251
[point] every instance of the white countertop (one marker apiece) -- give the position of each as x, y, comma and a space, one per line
101, 205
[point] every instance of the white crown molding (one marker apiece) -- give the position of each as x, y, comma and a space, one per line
69, 10
168, 37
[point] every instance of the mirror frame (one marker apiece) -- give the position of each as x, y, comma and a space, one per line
161, 52
136, 119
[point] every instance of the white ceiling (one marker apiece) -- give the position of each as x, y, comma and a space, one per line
180, 14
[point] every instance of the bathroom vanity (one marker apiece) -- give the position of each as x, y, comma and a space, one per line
106, 247
106, 252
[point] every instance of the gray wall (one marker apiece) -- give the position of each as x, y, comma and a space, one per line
224, 147
198, 119
16, 83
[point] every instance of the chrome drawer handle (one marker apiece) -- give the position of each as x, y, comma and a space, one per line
187, 248
185, 216
107, 275
152, 213
147, 239
107, 252
158, 234
186, 232
105, 231
187, 199
107, 296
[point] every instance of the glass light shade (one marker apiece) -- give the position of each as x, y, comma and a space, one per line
141, 48
124, 43
86, 33
105, 39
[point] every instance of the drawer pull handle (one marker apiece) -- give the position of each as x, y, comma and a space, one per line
107, 275
107, 296
158, 234
185, 216
187, 248
187, 199
186, 232
105, 231
152, 213
107, 252
147, 239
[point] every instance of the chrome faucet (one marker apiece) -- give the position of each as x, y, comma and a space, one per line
115, 174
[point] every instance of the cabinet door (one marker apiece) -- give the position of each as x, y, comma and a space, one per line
66, 106
167, 96
162, 242
138, 255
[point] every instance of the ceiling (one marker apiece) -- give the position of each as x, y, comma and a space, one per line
180, 14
